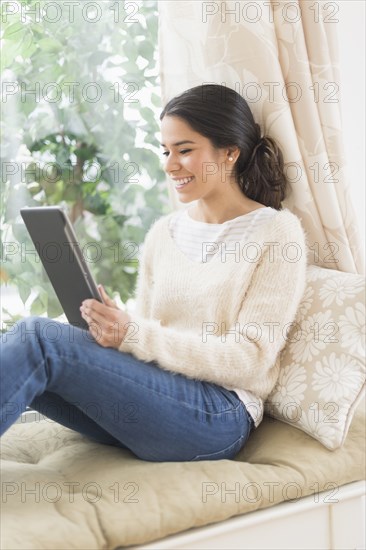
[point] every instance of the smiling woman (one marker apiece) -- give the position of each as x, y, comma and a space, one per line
215, 152
200, 352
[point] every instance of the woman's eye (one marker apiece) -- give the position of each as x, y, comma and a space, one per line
182, 152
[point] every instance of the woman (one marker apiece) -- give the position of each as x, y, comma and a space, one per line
184, 377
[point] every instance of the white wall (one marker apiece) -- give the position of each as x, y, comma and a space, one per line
351, 33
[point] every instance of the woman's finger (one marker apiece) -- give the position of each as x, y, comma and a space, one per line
107, 300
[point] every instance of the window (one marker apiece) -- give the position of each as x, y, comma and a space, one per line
80, 106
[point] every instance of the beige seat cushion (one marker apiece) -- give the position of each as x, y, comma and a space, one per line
61, 490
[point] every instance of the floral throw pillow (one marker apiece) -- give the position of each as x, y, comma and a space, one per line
322, 374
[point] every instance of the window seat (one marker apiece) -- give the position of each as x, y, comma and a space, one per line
61, 490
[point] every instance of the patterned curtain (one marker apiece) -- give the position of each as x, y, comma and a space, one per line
282, 57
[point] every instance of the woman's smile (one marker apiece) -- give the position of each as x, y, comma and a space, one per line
182, 182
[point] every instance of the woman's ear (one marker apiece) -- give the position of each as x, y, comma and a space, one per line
232, 154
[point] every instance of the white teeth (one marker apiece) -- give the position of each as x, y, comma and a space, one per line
183, 181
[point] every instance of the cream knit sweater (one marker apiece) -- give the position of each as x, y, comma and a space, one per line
224, 321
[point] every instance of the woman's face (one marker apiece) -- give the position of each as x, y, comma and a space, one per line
197, 168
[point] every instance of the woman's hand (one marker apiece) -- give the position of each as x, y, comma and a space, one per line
107, 323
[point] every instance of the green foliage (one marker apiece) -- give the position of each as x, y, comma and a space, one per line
79, 125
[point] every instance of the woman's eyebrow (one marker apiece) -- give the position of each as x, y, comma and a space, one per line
178, 143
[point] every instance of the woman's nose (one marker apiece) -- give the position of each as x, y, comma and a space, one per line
171, 163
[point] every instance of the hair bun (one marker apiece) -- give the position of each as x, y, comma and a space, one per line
260, 142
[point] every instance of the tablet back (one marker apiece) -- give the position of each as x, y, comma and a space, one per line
56, 243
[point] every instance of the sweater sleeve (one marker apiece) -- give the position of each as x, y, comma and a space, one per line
143, 286
144, 283
242, 356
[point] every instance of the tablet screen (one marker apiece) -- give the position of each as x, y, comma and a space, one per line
56, 243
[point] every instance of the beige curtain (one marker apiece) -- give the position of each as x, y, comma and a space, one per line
282, 57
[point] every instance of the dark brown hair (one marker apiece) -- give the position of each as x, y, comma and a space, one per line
224, 117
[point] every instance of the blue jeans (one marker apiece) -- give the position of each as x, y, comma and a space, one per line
114, 398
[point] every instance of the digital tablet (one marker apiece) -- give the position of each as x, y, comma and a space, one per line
58, 248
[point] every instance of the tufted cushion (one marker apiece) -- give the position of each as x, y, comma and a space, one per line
60, 490
322, 375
